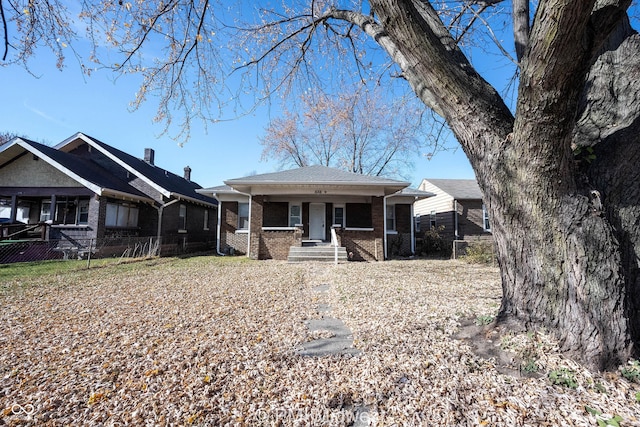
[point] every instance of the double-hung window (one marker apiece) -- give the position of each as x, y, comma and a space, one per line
295, 215
391, 217
243, 216
182, 215
338, 215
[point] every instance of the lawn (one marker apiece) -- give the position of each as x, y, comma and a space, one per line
212, 341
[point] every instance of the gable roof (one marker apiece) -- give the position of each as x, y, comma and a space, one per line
165, 182
459, 189
86, 172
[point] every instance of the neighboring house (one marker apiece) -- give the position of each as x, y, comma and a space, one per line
456, 210
85, 189
265, 215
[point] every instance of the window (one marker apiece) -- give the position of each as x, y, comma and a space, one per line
391, 217
45, 211
432, 219
295, 215
83, 212
338, 215
121, 215
206, 220
485, 219
358, 215
417, 224
183, 217
243, 216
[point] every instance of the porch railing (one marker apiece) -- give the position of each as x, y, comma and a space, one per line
335, 244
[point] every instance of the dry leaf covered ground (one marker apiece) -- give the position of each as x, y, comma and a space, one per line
212, 341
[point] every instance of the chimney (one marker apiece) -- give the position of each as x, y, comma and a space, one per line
187, 173
149, 155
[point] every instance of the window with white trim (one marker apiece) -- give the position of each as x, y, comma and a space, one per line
295, 215
83, 212
391, 218
432, 219
338, 215
121, 215
183, 217
45, 211
243, 216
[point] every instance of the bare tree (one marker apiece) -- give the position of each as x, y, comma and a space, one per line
6, 137
357, 131
559, 176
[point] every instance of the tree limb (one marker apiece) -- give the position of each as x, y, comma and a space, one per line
520, 27
6, 33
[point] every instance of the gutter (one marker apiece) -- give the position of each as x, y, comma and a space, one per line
218, 226
160, 210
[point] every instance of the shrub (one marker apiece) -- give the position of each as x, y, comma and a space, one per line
479, 252
434, 244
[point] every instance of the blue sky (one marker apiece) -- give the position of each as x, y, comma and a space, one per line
51, 105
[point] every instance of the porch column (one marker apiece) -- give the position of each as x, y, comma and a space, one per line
255, 226
52, 210
14, 208
378, 215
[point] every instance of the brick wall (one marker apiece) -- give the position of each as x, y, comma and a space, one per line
399, 245
362, 245
276, 244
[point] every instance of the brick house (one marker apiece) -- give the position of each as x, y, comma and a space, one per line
264, 216
85, 189
456, 208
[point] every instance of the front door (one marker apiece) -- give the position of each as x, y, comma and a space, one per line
316, 221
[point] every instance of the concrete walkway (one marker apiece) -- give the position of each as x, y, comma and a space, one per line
341, 341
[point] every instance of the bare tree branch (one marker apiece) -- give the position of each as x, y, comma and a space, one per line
521, 27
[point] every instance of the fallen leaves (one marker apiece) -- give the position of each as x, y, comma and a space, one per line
211, 341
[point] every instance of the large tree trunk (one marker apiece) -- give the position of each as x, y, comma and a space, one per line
567, 247
566, 225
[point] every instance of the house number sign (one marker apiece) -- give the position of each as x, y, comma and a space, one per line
320, 192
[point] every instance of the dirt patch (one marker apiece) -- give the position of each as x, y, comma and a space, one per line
485, 342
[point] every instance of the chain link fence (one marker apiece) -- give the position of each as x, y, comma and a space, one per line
12, 251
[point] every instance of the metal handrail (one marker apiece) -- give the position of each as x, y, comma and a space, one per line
334, 243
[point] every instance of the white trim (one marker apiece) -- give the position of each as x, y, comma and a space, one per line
358, 229
116, 159
279, 228
243, 231
392, 232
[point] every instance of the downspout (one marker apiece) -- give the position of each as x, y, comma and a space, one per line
218, 226
249, 235
413, 233
250, 224
160, 210
455, 218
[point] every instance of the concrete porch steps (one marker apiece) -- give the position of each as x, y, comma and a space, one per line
323, 253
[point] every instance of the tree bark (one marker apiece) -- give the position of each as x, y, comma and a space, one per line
566, 225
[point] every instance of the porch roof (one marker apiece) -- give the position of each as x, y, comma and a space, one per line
306, 179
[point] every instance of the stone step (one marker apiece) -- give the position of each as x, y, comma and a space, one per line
316, 253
